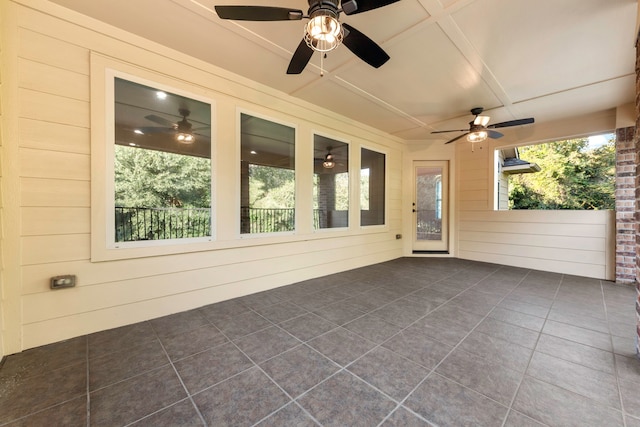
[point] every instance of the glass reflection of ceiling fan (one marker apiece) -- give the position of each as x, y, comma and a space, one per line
183, 129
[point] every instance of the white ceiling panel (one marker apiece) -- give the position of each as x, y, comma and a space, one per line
438, 81
384, 23
581, 101
540, 48
342, 100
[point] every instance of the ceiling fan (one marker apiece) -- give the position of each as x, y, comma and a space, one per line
323, 32
183, 129
329, 161
479, 131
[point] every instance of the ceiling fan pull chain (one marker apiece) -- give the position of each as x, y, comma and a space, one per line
322, 65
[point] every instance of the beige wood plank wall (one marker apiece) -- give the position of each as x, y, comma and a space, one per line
54, 203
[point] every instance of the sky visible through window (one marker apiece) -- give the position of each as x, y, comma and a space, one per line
596, 141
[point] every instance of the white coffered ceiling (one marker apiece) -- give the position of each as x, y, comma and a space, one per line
548, 59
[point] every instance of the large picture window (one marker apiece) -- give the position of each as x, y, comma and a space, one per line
330, 183
570, 174
161, 165
372, 187
267, 176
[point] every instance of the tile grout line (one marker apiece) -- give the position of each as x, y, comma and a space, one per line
613, 354
342, 368
170, 362
486, 316
181, 382
577, 393
433, 370
524, 372
88, 360
256, 365
70, 399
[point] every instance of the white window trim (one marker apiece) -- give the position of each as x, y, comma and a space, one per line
385, 226
103, 245
350, 186
239, 234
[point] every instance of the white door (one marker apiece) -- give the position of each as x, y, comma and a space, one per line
430, 206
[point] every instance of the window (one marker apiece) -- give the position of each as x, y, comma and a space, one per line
577, 174
161, 165
267, 180
372, 187
330, 183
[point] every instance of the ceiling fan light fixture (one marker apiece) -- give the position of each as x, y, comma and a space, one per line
323, 32
185, 138
328, 163
477, 136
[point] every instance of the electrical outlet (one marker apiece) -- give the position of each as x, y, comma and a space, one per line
65, 281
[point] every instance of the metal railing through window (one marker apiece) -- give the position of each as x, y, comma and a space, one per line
138, 223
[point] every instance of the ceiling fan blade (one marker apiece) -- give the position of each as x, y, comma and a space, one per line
494, 134
156, 130
511, 123
456, 138
351, 7
300, 58
258, 13
159, 120
364, 48
452, 130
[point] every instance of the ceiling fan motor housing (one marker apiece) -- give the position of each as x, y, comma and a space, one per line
184, 126
325, 5
475, 128
349, 6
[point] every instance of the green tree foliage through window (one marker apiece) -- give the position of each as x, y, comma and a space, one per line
152, 179
161, 195
573, 175
271, 187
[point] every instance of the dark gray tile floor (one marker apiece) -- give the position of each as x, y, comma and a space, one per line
410, 342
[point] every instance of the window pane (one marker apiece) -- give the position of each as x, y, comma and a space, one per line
330, 183
372, 189
577, 174
162, 164
267, 203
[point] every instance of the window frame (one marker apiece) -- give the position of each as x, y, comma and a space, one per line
103, 244
238, 209
350, 186
385, 152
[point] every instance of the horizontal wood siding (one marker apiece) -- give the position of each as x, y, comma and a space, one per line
54, 204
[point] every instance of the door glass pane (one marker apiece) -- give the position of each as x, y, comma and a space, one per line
428, 203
